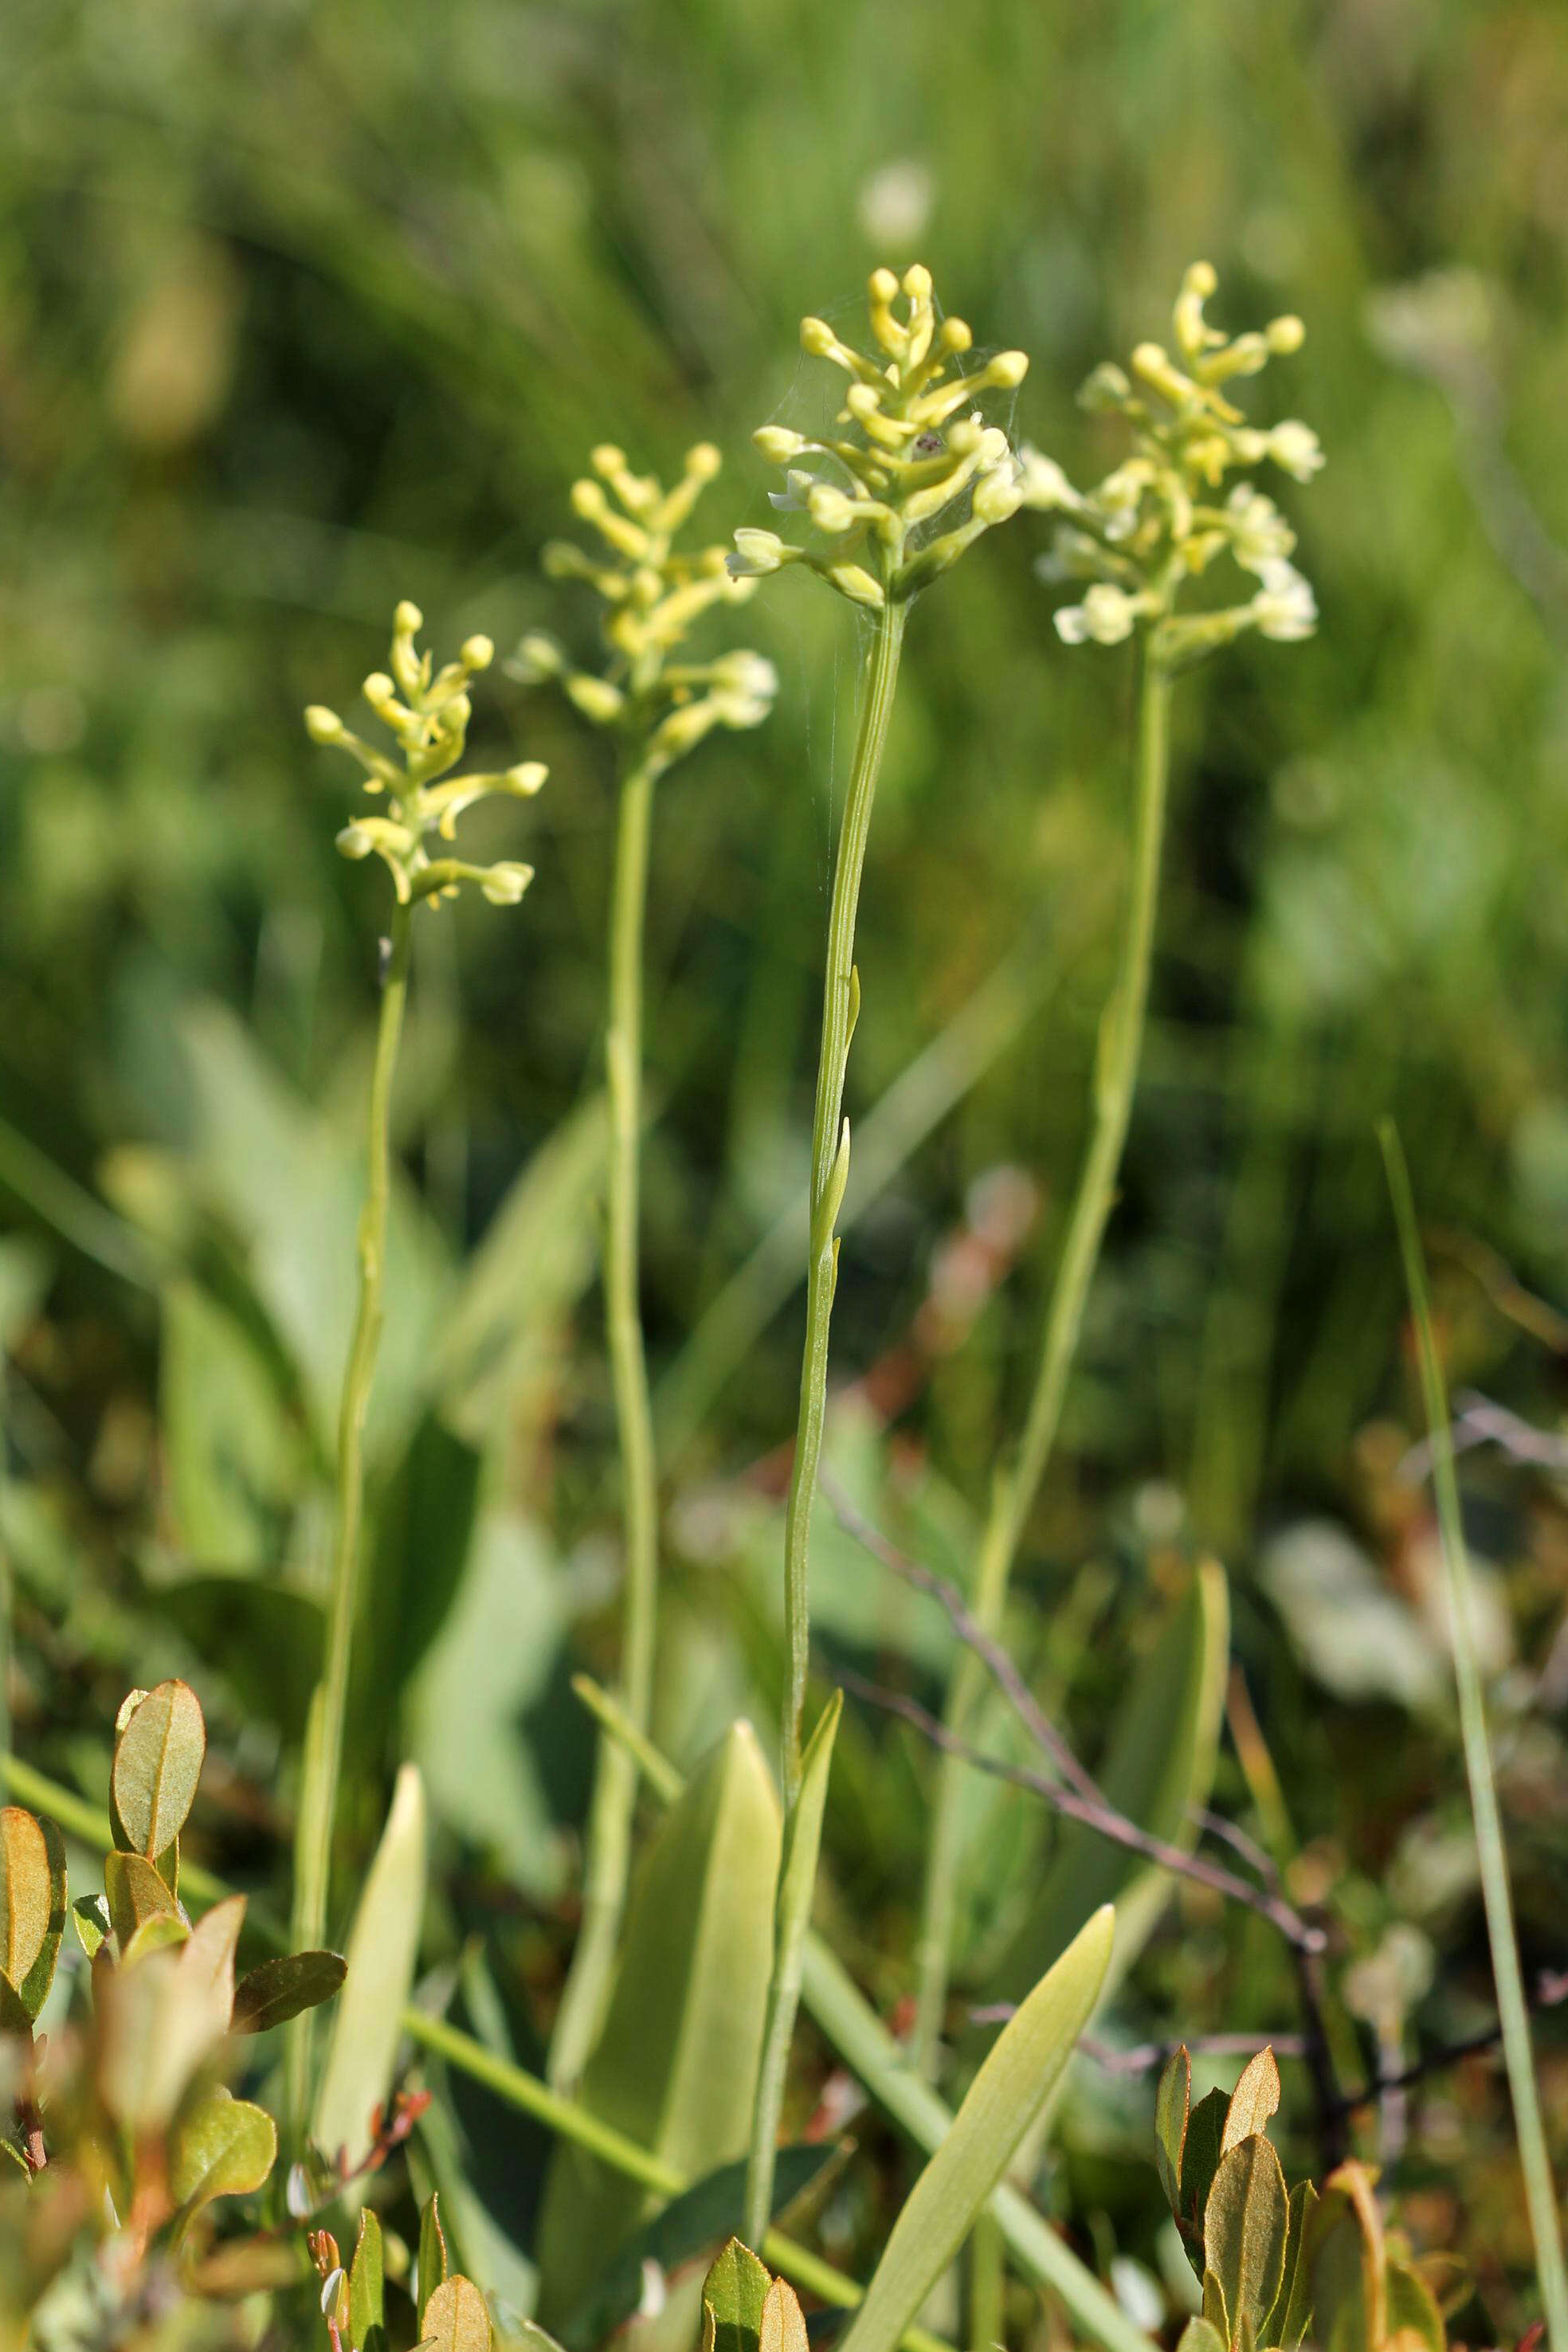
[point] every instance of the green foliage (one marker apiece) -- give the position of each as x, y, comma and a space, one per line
1277, 2267
675, 2060
1007, 2093
351, 308
138, 2123
382, 1950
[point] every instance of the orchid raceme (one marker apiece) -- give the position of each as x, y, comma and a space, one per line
1158, 520
658, 707
653, 595
429, 715
427, 711
915, 475
1151, 527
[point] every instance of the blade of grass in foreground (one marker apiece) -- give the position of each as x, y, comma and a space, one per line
1540, 2196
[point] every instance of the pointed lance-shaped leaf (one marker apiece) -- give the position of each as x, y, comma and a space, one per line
1019, 2073
1172, 2105
382, 1950
367, 2312
435, 2262
1200, 2162
1254, 2100
733, 2294
278, 1989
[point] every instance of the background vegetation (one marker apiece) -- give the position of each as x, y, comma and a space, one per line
308, 307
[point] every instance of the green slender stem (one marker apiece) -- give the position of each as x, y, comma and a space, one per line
1535, 2163
987, 2283
829, 1172
324, 1745
1015, 1487
609, 1842
839, 1004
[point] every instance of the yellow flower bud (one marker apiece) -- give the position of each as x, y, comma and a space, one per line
324, 726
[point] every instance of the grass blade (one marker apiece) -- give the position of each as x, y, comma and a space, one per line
1540, 2196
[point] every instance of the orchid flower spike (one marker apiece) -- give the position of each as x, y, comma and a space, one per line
911, 473
653, 595
1157, 521
428, 713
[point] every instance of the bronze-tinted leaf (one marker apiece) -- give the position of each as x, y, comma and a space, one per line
1255, 2099
278, 1990
135, 1893
457, 2318
158, 1760
32, 1903
783, 2322
1246, 2220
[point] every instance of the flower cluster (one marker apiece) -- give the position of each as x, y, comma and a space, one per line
652, 597
1158, 521
429, 715
915, 475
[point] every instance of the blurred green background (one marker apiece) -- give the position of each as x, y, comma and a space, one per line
311, 307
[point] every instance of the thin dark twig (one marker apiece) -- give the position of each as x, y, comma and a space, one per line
973, 1635
1480, 1421
1097, 1815
1252, 1854
1551, 1992
1145, 2057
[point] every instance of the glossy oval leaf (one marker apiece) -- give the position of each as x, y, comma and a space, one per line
382, 1950
158, 1760
457, 2319
221, 2146
278, 1990
1018, 2075
674, 2067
